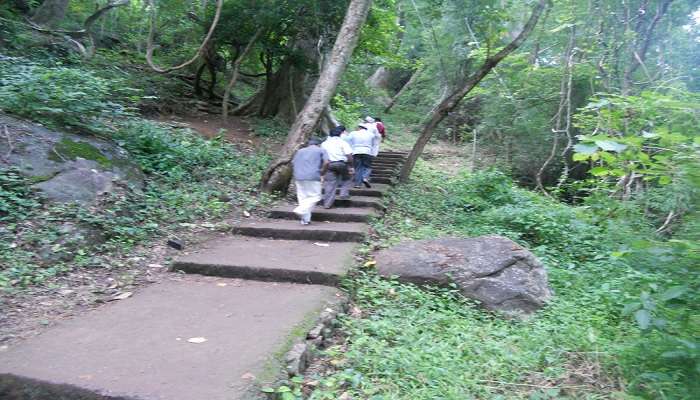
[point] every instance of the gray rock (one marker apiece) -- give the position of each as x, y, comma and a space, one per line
67, 167
297, 359
497, 272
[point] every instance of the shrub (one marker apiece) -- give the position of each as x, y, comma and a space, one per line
59, 95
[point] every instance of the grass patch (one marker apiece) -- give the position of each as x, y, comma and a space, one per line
417, 344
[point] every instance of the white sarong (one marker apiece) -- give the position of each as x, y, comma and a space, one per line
308, 194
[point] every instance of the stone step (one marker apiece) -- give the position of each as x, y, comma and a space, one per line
393, 152
390, 158
385, 180
293, 230
383, 174
386, 165
346, 214
376, 191
270, 260
138, 348
361, 201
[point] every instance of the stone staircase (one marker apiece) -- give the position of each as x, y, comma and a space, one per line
251, 296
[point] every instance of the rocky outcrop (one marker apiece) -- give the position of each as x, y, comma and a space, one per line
66, 167
497, 272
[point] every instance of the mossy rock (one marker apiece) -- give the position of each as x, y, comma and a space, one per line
68, 149
66, 167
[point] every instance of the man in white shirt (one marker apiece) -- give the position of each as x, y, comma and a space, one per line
364, 142
340, 168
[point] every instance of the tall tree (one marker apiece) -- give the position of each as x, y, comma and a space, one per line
452, 100
278, 174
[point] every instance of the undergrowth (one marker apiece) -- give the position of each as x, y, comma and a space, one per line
624, 322
187, 177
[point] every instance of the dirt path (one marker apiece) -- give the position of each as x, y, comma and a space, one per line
237, 130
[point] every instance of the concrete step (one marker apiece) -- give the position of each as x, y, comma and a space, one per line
293, 230
361, 201
270, 260
138, 348
387, 165
383, 174
385, 180
391, 158
348, 214
377, 190
384, 168
394, 152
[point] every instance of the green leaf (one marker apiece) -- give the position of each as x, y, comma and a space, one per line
643, 318
674, 293
267, 390
288, 396
664, 179
631, 307
609, 145
588, 149
599, 171
580, 157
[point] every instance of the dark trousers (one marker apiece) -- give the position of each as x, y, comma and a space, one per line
337, 176
363, 167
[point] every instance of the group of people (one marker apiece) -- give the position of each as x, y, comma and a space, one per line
343, 160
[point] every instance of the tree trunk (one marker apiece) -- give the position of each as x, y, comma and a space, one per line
234, 74
50, 13
283, 90
451, 101
278, 174
401, 91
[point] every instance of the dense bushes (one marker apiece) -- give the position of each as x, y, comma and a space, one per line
625, 304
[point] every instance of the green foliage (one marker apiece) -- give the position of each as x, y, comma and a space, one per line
16, 201
622, 304
348, 112
652, 135
59, 96
269, 127
188, 178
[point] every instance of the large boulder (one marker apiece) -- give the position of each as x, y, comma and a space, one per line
66, 167
497, 272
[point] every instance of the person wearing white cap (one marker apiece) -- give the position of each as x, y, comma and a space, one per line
363, 142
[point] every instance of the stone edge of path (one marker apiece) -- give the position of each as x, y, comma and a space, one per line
306, 348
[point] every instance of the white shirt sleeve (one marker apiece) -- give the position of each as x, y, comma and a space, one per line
347, 149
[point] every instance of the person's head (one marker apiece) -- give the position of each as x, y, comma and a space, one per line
369, 119
377, 119
314, 141
337, 131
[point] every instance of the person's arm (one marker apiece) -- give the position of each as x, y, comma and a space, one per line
325, 162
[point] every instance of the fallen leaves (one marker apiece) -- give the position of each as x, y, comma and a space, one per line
370, 264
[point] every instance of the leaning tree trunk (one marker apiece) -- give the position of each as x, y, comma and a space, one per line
401, 91
450, 102
234, 74
278, 174
50, 13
